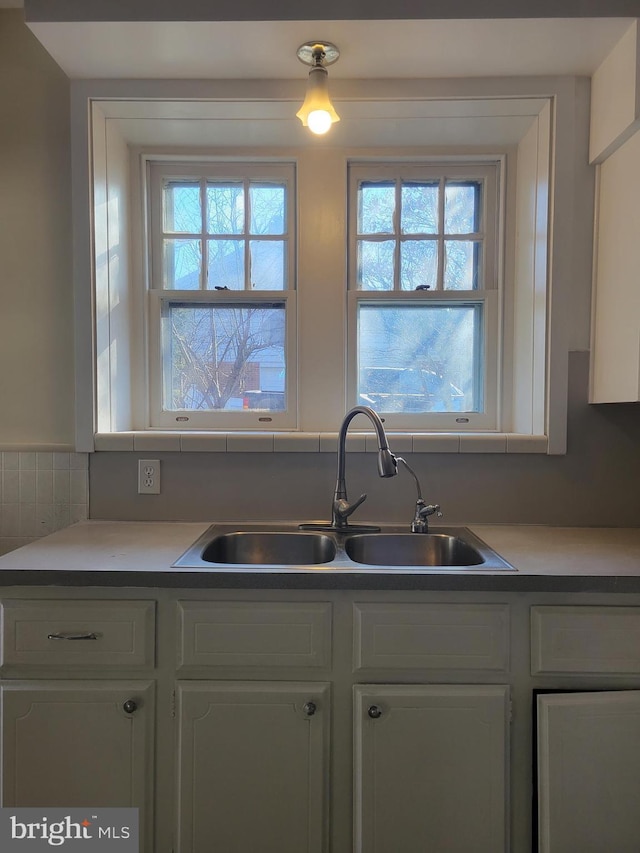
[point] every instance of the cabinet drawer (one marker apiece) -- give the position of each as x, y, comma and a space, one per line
585, 639
432, 636
233, 633
80, 633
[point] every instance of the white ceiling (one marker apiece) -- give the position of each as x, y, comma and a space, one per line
248, 76
382, 49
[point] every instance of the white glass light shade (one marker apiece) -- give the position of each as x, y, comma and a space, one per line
317, 112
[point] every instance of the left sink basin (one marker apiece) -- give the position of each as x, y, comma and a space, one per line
260, 548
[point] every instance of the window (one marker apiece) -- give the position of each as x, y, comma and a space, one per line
488, 343
423, 300
221, 297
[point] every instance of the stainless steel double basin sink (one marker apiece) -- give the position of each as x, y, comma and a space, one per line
286, 548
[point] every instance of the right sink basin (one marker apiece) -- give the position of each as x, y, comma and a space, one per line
412, 549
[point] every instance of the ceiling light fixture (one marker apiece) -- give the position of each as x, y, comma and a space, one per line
317, 112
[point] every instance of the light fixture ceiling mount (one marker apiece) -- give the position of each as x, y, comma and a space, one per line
318, 52
317, 112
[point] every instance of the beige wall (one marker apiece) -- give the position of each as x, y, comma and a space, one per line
36, 307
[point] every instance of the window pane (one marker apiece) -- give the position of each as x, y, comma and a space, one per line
182, 207
225, 208
419, 358
224, 357
267, 208
420, 208
375, 264
182, 261
225, 264
418, 264
376, 207
462, 264
462, 207
267, 264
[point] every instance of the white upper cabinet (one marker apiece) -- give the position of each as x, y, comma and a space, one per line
615, 148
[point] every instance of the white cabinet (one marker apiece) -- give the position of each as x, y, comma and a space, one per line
431, 768
589, 772
253, 766
431, 760
615, 349
78, 743
591, 640
81, 742
335, 721
588, 740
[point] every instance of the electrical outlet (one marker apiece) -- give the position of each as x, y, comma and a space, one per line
148, 476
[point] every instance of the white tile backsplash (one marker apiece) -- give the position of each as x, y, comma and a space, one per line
44, 461
39, 494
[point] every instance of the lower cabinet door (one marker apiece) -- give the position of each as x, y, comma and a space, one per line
589, 772
431, 768
83, 743
253, 767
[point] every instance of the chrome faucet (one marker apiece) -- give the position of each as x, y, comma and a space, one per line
423, 510
341, 509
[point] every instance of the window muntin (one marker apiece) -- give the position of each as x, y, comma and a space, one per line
423, 306
221, 307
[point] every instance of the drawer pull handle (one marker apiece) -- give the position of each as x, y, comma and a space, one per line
309, 708
374, 712
129, 706
90, 636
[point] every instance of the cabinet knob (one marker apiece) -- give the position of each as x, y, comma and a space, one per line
129, 706
374, 711
309, 708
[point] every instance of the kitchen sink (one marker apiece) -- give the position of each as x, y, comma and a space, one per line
412, 549
285, 548
270, 548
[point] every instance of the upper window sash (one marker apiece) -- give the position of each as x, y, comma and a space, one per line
192, 249
384, 234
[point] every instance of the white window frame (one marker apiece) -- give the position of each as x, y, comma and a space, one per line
159, 299
489, 296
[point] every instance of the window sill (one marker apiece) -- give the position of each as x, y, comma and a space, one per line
314, 442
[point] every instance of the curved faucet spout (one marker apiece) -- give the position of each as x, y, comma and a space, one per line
341, 509
387, 465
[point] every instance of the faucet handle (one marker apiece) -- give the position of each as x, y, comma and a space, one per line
430, 509
343, 509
